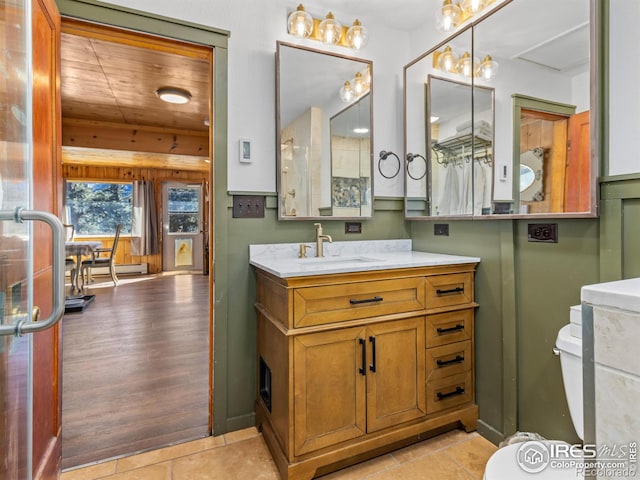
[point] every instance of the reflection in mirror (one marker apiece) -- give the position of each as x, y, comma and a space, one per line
436, 102
542, 102
542, 99
461, 147
323, 168
351, 160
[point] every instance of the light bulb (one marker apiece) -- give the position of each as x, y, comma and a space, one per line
448, 60
488, 68
346, 92
358, 84
465, 65
448, 17
330, 30
357, 36
472, 7
300, 23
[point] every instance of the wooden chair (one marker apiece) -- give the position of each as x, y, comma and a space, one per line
70, 231
97, 261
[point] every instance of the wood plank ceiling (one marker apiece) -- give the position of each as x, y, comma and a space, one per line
110, 108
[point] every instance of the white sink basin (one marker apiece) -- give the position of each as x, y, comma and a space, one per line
334, 260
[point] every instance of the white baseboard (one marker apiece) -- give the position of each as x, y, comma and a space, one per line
141, 268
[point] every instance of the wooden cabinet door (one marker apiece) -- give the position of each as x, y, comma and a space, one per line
396, 373
329, 389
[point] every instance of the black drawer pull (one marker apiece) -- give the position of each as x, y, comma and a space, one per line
449, 330
442, 363
366, 300
457, 391
452, 290
363, 369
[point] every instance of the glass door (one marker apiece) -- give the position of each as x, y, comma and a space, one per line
15, 240
182, 245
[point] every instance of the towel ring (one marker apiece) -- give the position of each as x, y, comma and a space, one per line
410, 158
383, 156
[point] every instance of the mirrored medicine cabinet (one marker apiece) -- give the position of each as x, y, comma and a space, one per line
499, 117
324, 134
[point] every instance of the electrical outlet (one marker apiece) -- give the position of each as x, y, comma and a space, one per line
441, 229
352, 227
248, 206
543, 232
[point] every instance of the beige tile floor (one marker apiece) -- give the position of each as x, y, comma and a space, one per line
243, 455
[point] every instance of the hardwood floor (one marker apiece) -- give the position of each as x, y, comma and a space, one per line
135, 368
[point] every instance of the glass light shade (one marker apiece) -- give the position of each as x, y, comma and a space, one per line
357, 36
330, 30
346, 92
471, 7
300, 23
358, 85
448, 17
173, 95
448, 60
488, 68
465, 65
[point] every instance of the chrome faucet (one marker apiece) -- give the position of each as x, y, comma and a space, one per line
319, 239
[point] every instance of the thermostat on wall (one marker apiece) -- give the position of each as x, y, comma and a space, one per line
244, 150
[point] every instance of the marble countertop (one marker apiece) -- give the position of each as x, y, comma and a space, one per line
623, 294
282, 260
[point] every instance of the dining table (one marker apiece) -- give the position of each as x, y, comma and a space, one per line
79, 249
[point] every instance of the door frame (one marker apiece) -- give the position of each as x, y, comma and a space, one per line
217, 39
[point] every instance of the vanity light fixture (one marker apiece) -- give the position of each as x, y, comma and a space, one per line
361, 130
472, 7
300, 23
356, 87
329, 31
465, 65
346, 92
448, 60
173, 95
448, 17
357, 36
488, 68
451, 15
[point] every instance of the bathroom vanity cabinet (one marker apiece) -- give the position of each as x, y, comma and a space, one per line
354, 364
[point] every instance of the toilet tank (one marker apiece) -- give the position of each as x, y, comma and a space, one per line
570, 348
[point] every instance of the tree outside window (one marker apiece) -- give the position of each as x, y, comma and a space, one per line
95, 208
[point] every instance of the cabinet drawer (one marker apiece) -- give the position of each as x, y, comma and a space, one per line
449, 392
350, 301
448, 360
449, 327
448, 290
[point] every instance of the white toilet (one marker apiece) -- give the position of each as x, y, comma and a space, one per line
506, 463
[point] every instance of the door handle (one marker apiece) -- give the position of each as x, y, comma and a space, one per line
19, 215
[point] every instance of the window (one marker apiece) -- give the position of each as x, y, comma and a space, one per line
184, 209
96, 208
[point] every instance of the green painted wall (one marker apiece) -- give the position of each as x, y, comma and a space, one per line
524, 290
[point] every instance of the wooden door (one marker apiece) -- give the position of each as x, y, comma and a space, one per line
29, 176
329, 388
578, 176
47, 188
396, 376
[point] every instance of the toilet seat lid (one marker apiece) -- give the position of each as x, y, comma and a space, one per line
503, 465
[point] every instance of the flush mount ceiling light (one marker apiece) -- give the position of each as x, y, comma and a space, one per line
173, 95
329, 31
